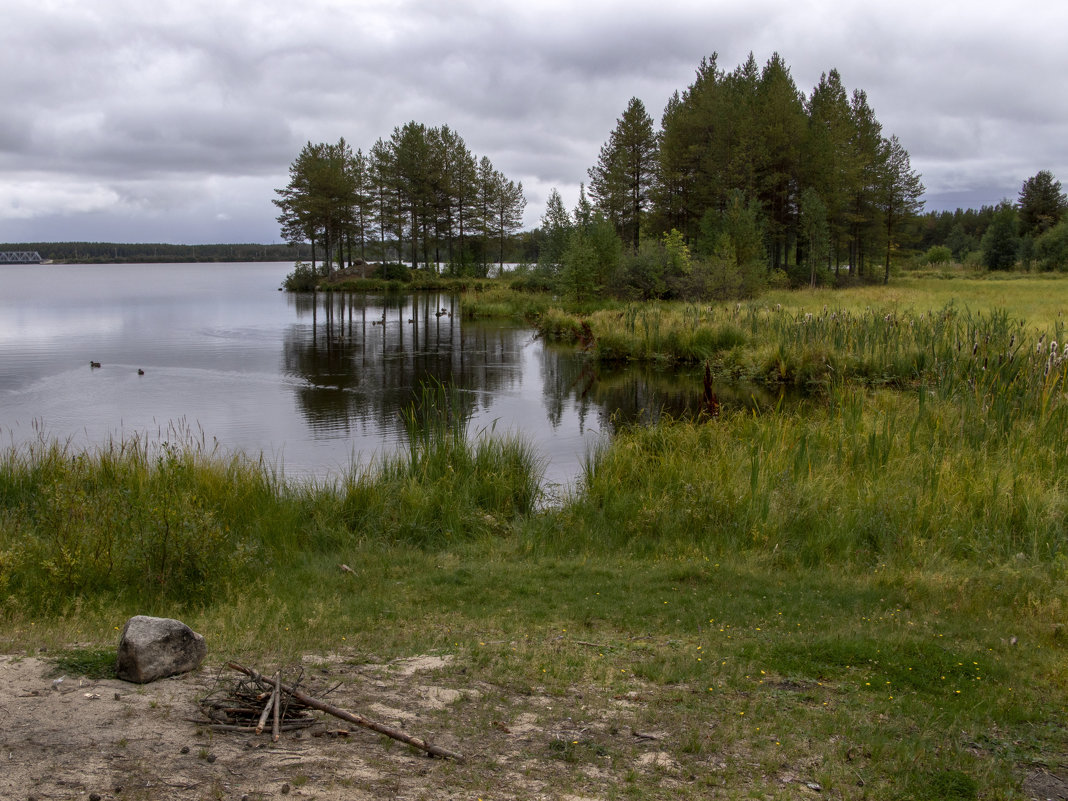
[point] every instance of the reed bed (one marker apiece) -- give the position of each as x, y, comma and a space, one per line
896, 479
164, 522
942, 349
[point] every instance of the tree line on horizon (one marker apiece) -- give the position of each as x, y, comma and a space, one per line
1031, 232
419, 196
160, 252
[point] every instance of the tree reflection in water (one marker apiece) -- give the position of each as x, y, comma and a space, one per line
361, 359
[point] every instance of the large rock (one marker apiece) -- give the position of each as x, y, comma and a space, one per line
154, 647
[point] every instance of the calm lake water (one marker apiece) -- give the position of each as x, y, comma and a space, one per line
312, 384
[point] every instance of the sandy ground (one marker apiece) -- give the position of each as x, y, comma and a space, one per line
108, 739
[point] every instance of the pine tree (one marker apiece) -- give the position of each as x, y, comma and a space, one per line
507, 206
828, 165
900, 195
781, 125
1041, 204
556, 229
623, 176
318, 202
1001, 244
865, 151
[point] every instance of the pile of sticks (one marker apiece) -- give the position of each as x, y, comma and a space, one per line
250, 702
255, 699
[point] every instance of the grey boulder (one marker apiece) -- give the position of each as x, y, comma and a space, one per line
155, 647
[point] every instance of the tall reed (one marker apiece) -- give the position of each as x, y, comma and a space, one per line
448, 486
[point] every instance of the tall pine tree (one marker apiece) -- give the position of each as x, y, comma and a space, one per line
621, 180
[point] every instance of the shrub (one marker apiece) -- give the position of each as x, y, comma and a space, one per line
939, 254
1051, 249
302, 279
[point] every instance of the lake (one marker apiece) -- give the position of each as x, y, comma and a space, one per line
311, 383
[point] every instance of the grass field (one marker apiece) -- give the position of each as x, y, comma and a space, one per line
865, 593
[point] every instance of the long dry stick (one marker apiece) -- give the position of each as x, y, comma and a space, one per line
266, 711
359, 720
277, 704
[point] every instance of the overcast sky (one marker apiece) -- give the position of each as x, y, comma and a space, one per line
134, 121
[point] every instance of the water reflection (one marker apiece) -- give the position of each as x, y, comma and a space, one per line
642, 395
361, 359
311, 382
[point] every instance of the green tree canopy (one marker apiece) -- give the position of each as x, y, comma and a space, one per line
1001, 244
318, 203
900, 195
1041, 204
621, 180
556, 227
751, 131
421, 193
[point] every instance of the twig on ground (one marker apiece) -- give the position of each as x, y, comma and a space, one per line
277, 695
359, 720
263, 715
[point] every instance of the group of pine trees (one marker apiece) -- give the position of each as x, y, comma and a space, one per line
746, 178
419, 196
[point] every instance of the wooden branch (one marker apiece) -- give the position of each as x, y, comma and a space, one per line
263, 715
277, 703
295, 725
359, 720
594, 644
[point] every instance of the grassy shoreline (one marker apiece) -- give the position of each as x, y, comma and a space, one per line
868, 589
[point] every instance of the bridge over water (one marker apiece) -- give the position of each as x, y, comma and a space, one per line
20, 257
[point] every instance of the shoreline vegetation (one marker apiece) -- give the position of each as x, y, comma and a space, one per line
865, 590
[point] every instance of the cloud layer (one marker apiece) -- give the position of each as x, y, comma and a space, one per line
174, 121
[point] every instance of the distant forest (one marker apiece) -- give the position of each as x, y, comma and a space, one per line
158, 253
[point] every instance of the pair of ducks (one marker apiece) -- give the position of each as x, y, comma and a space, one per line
93, 365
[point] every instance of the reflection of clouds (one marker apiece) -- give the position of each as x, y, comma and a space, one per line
49, 330
313, 383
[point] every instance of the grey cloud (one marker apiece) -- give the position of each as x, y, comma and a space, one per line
172, 116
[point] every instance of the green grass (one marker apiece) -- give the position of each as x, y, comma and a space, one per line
90, 663
1041, 300
866, 589
899, 335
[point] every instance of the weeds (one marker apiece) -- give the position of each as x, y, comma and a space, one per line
91, 663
